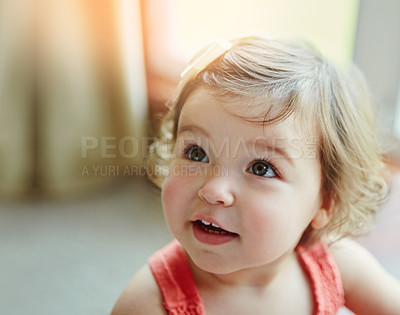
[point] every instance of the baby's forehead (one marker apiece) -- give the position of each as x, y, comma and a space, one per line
263, 117
268, 111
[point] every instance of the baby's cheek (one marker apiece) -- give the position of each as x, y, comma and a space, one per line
168, 198
175, 193
175, 204
169, 192
268, 218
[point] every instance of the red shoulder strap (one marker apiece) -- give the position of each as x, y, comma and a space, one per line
324, 276
175, 280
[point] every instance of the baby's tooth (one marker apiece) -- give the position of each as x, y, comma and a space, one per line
208, 223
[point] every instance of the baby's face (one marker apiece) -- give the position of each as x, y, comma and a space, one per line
259, 184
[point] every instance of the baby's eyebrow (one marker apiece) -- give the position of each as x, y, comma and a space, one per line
192, 129
273, 148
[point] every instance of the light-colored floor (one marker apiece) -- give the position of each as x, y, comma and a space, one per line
74, 257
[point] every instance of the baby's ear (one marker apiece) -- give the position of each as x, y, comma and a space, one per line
320, 219
324, 214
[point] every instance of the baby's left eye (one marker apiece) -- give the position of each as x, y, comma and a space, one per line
197, 154
263, 169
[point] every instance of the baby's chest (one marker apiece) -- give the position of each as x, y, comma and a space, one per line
287, 302
294, 305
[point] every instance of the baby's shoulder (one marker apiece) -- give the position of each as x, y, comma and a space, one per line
140, 296
368, 287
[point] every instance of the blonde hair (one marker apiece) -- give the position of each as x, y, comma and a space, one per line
293, 77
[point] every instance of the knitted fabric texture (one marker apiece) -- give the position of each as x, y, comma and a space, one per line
171, 271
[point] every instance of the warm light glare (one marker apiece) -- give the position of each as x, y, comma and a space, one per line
128, 16
331, 25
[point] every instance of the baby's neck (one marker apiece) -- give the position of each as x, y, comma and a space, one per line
257, 278
257, 289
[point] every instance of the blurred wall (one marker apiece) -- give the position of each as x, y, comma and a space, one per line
66, 95
377, 53
16, 96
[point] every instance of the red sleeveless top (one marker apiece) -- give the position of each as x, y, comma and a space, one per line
180, 295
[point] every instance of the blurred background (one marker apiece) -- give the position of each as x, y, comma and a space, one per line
82, 86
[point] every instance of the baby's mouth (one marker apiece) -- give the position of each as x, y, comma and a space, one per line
212, 228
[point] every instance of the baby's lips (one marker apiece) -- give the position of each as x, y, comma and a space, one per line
212, 221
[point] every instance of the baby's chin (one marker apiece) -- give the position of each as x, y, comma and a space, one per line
215, 268
219, 265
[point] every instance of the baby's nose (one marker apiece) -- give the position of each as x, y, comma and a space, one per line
217, 191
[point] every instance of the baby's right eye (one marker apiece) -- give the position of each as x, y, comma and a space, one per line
196, 153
